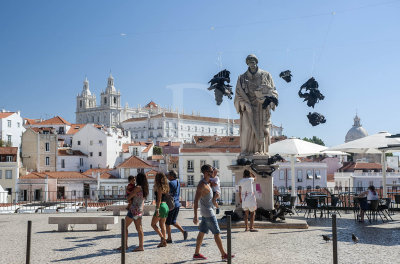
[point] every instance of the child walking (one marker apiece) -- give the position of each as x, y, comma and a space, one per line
216, 188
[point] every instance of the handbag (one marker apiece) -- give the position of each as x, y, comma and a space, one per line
170, 201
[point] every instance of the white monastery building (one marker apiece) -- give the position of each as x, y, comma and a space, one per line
11, 128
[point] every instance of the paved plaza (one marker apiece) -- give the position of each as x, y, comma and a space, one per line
379, 243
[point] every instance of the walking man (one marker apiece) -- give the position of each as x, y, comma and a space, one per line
204, 194
174, 191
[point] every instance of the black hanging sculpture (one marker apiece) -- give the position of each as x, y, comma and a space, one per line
217, 83
243, 162
315, 118
314, 95
268, 100
274, 159
286, 75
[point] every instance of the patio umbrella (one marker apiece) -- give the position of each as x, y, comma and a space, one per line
294, 147
373, 144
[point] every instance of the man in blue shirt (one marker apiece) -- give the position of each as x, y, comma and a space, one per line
174, 191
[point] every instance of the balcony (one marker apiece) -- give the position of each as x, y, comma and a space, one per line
190, 169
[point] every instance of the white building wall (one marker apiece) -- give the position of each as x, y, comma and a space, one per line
283, 177
15, 131
365, 179
72, 163
224, 160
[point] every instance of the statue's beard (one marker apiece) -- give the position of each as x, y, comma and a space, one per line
255, 70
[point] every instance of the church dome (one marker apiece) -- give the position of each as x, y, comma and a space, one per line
356, 132
86, 91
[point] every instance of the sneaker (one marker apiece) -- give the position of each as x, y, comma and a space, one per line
225, 257
199, 256
169, 241
185, 235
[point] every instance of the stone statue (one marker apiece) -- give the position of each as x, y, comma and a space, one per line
252, 88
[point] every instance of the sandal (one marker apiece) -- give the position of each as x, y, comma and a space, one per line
137, 249
253, 230
163, 243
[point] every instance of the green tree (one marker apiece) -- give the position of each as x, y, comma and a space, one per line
315, 140
157, 150
2, 143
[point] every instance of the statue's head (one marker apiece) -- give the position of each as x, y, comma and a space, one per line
252, 62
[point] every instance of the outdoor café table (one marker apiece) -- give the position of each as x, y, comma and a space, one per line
321, 200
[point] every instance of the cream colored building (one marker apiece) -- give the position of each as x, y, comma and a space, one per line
39, 149
9, 171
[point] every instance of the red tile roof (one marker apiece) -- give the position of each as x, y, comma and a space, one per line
70, 152
57, 120
134, 162
125, 147
89, 171
106, 175
8, 150
213, 150
330, 177
56, 175
147, 148
352, 166
214, 141
29, 121
166, 144
151, 104
5, 114
42, 129
156, 157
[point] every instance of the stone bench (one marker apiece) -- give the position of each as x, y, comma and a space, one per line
63, 222
147, 209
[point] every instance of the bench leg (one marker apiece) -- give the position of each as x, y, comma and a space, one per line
63, 227
116, 212
101, 227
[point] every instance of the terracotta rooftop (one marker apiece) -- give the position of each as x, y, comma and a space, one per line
166, 144
147, 148
70, 152
29, 121
8, 150
151, 104
89, 171
156, 157
57, 120
107, 175
213, 150
330, 177
5, 114
43, 129
352, 166
134, 162
125, 147
215, 141
56, 175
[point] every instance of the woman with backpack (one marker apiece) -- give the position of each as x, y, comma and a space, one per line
174, 192
161, 188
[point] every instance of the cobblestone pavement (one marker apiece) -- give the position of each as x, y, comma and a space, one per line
379, 243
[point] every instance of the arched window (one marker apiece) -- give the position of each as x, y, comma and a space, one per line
105, 100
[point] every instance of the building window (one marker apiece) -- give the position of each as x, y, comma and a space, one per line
1, 174
190, 167
216, 164
100, 141
9, 137
91, 154
80, 103
91, 142
79, 143
105, 100
299, 176
91, 166
100, 154
8, 174
18, 124
174, 165
9, 123
202, 162
281, 175
9, 158
115, 100
317, 174
81, 162
63, 163
47, 161
190, 180
309, 174
47, 146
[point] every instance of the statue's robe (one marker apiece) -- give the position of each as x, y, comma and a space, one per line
251, 90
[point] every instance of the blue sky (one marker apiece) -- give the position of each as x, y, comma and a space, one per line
352, 48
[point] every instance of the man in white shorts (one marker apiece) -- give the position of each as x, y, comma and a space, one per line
248, 198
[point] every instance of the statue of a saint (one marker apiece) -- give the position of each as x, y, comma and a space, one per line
251, 90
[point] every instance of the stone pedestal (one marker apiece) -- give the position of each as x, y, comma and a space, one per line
262, 171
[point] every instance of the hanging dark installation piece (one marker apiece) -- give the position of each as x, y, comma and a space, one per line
220, 84
286, 75
268, 100
314, 95
315, 118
